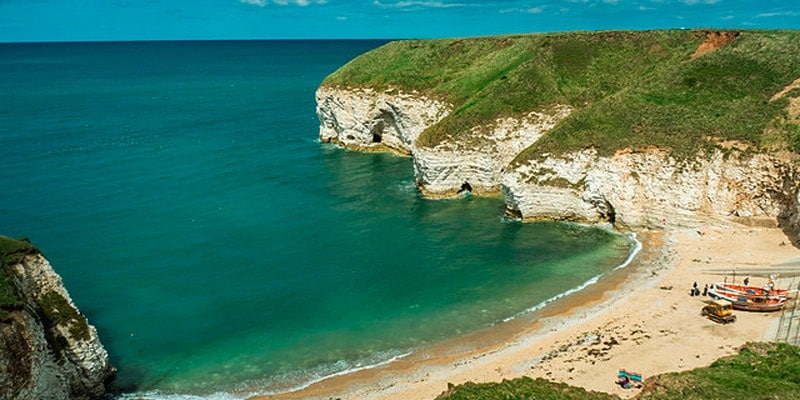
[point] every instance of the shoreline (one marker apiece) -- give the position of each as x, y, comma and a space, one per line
583, 338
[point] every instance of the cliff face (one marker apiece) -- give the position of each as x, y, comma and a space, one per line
364, 119
634, 190
47, 348
651, 189
442, 170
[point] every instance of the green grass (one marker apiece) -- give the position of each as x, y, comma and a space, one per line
58, 311
629, 89
759, 371
522, 388
11, 252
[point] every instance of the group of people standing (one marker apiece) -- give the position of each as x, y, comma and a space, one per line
696, 291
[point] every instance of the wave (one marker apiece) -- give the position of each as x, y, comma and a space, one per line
342, 367
351, 370
158, 395
635, 249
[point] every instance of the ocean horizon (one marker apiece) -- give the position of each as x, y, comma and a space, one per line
180, 190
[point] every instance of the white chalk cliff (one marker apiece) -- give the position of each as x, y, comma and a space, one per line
47, 348
630, 189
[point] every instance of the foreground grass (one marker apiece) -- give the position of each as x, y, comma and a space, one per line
522, 388
759, 371
629, 89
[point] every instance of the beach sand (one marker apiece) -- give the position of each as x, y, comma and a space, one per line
640, 318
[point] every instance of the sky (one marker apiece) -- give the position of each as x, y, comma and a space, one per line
104, 20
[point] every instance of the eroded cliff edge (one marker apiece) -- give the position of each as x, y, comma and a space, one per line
48, 350
672, 130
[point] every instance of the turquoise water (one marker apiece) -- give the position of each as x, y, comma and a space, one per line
181, 192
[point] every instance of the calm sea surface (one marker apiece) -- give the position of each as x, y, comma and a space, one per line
180, 190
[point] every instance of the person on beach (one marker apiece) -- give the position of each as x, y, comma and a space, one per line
746, 281
705, 290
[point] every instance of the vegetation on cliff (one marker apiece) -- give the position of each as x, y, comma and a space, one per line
47, 348
55, 309
760, 370
682, 90
10, 252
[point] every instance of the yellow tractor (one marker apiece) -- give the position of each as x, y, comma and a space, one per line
719, 311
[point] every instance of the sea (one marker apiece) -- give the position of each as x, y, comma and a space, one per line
221, 250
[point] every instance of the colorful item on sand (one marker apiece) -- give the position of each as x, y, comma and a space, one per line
633, 376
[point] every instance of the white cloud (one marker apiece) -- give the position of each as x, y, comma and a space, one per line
260, 3
530, 10
301, 3
693, 2
412, 3
778, 14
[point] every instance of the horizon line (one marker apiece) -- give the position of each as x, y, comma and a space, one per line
388, 39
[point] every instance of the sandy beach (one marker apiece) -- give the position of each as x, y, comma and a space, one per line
640, 318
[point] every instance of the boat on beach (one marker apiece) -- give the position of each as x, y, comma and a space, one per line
749, 302
750, 290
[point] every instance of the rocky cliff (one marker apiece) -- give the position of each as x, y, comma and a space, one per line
641, 129
653, 189
370, 120
631, 189
48, 350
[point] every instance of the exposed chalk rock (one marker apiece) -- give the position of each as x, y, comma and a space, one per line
48, 350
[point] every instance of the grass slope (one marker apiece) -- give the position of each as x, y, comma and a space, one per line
629, 89
10, 252
759, 371
522, 388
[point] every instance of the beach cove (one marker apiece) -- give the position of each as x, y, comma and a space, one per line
638, 146
641, 318
277, 260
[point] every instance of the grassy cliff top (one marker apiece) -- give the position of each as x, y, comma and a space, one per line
10, 252
679, 89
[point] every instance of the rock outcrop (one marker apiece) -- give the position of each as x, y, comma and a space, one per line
364, 119
48, 350
442, 170
652, 189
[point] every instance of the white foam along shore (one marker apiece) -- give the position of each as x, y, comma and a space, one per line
634, 251
160, 395
637, 247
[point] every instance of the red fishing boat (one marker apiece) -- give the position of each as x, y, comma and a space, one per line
749, 302
767, 290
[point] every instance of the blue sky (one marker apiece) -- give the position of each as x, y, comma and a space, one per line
81, 20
